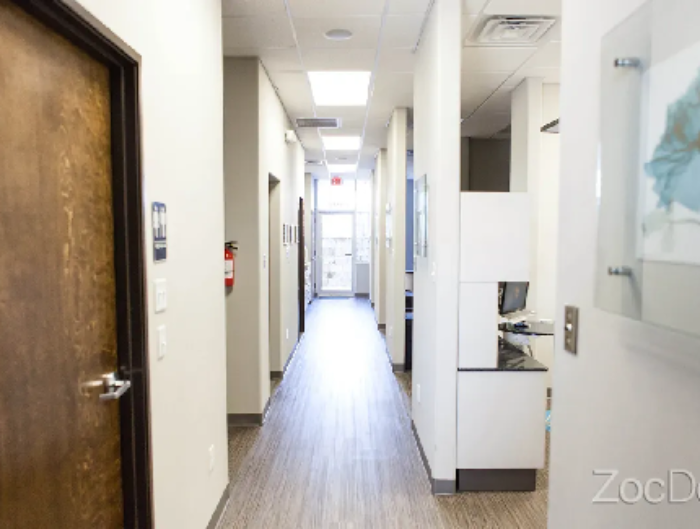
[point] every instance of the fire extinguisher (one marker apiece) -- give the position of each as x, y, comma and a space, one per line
229, 270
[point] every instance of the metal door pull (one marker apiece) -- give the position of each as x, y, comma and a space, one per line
620, 271
113, 388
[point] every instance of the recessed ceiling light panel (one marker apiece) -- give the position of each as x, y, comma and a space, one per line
338, 34
342, 168
340, 89
341, 143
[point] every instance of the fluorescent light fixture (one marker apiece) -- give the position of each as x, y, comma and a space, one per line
341, 143
340, 89
341, 168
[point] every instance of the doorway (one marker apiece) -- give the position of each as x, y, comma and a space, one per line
336, 266
74, 399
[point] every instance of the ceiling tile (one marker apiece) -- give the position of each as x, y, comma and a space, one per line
548, 75
554, 34
341, 157
480, 81
311, 140
335, 8
468, 22
337, 59
519, 7
397, 60
498, 103
353, 117
474, 7
549, 56
401, 31
243, 8
295, 92
495, 59
257, 32
408, 7
392, 90
311, 32
275, 60
470, 103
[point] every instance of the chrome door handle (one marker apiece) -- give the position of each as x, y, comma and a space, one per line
114, 389
620, 271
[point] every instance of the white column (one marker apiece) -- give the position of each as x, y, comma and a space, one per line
396, 251
436, 277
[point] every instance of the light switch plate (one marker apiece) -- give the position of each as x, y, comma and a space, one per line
161, 295
162, 342
571, 329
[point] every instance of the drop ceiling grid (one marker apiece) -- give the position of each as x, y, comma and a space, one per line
498, 70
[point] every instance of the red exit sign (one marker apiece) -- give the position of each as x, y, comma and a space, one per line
336, 181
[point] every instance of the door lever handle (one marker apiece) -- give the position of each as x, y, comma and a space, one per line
625, 271
113, 388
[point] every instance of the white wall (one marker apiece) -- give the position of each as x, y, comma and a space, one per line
436, 278
286, 162
380, 250
535, 169
246, 222
258, 318
181, 124
628, 400
396, 253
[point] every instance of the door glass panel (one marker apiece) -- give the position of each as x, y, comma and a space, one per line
336, 253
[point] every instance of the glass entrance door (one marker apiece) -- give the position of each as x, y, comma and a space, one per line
335, 242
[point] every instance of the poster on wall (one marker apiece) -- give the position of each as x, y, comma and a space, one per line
420, 216
671, 160
160, 231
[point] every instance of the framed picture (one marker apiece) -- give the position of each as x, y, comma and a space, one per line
420, 217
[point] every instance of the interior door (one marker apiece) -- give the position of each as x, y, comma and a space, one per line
60, 464
336, 234
301, 264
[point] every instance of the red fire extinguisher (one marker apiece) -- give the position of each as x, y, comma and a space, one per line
229, 270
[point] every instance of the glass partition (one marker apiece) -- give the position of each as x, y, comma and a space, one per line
648, 261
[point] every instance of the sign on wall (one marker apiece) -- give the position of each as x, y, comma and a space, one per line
160, 232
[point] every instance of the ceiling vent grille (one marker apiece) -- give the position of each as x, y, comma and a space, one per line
513, 31
319, 123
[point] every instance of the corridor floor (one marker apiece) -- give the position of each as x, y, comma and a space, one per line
337, 450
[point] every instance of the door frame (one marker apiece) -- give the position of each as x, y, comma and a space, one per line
79, 27
319, 262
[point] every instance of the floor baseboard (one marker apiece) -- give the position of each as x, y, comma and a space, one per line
497, 480
221, 507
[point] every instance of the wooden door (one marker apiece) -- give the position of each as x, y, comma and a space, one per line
60, 463
302, 269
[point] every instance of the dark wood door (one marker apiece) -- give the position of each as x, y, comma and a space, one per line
60, 463
302, 269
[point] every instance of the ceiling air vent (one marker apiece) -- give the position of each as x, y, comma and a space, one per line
319, 123
509, 31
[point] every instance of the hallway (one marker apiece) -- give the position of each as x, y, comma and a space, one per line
337, 448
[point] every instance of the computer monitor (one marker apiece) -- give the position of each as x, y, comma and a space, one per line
513, 297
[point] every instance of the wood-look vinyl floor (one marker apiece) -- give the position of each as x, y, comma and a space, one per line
337, 449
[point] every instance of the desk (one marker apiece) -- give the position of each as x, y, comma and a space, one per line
501, 423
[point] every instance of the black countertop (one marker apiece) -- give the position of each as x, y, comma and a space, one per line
510, 358
533, 329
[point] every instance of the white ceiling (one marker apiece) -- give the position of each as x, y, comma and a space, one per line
291, 42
